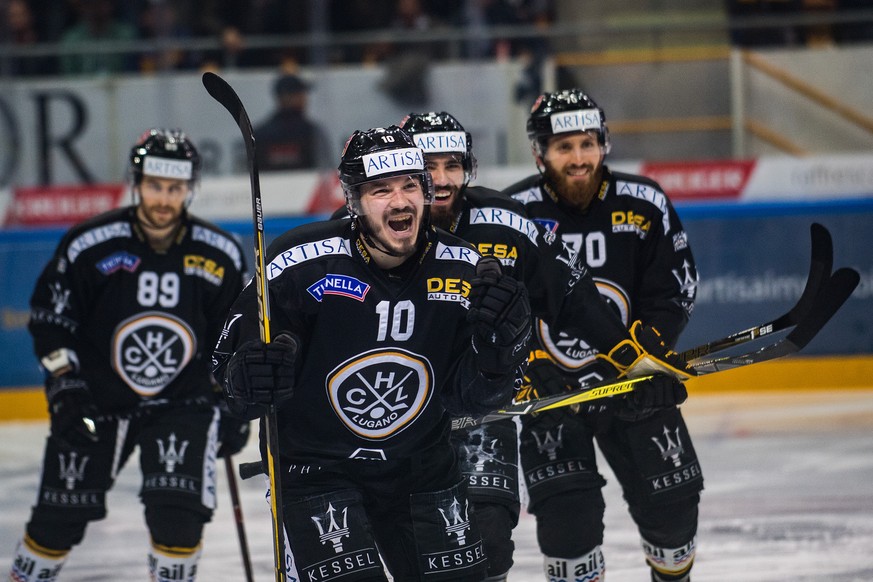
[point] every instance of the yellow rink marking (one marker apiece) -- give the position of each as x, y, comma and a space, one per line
791, 374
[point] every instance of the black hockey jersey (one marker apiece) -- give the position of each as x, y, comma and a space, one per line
143, 324
498, 226
634, 245
385, 355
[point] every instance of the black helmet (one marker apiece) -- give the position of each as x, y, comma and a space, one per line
378, 153
166, 153
438, 133
566, 111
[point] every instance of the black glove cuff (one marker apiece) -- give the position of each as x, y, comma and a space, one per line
500, 360
63, 385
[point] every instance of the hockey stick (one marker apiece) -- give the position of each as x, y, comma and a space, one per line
826, 302
222, 92
238, 517
819, 271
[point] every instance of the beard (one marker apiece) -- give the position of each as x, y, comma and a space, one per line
160, 216
576, 193
443, 215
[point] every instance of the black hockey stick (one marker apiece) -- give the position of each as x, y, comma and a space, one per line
238, 518
222, 92
830, 297
819, 271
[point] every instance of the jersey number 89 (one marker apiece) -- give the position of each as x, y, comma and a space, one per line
157, 289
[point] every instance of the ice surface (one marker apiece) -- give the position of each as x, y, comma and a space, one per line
789, 497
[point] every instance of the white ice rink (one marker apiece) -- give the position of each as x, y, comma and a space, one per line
789, 497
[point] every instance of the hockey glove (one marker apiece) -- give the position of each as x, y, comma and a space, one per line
72, 411
543, 376
661, 392
500, 312
261, 375
645, 353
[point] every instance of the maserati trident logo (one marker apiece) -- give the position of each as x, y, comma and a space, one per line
457, 521
549, 444
60, 297
687, 280
169, 455
69, 472
334, 533
672, 447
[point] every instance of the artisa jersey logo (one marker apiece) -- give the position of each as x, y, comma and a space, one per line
150, 349
379, 393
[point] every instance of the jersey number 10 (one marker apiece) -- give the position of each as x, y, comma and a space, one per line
400, 320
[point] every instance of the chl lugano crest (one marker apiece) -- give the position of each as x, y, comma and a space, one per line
379, 393
150, 349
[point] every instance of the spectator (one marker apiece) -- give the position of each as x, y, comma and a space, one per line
407, 70
287, 139
96, 23
21, 31
160, 21
353, 16
234, 21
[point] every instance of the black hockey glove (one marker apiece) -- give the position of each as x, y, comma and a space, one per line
662, 391
261, 375
72, 411
233, 432
500, 312
544, 376
645, 353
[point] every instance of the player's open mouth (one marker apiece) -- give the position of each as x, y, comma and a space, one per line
400, 224
442, 196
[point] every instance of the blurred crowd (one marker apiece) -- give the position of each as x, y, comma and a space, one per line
163, 35
249, 33
811, 23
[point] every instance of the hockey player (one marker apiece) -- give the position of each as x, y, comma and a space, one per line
123, 320
385, 326
498, 226
631, 239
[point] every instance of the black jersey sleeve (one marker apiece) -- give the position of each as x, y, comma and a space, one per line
584, 313
233, 281
58, 303
668, 281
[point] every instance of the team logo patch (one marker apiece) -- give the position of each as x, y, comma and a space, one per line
342, 285
505, 218
378, 394
632, 222
149, 350
548, 224
448, 289
119, 260
573, 353
200, 266
96, 236
450, 253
